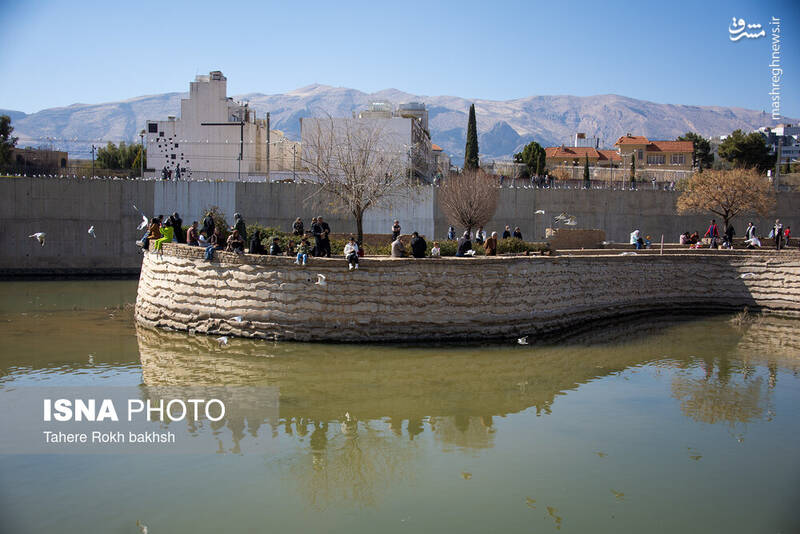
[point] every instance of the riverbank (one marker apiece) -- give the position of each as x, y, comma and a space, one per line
447, 298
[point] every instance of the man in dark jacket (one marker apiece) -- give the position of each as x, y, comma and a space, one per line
325, 241
418, 246
464, 244
177, 224
238, 224
275, 248
208, 225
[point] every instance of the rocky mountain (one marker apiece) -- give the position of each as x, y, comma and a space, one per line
503, 126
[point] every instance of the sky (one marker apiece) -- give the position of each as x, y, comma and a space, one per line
59, 53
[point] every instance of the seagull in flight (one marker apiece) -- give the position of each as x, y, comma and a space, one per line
522, 340
91, 232
39, 236
539, 212
320, 280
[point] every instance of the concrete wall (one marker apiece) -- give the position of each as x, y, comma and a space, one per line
65, 208
407, 299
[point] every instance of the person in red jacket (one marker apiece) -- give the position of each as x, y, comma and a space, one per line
713, 233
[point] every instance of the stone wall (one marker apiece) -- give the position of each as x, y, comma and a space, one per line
448, 298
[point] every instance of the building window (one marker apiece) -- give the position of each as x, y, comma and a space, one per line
63, 162
161, 134
678, 159
173, 156
659, 159
640, 156
152, 127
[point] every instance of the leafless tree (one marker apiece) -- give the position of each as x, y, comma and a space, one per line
469, 200
359, 162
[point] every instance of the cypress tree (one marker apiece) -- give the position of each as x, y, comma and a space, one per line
471, 150
633, 170
587, 183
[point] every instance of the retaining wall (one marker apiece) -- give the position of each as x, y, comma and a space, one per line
447, 298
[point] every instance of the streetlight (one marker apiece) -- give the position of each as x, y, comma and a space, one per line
141, 154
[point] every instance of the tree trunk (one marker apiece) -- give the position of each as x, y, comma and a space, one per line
359, 215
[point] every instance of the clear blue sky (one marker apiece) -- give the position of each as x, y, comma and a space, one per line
60, 53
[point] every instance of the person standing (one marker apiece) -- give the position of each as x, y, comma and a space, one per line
177, 224
786, 235
490, 246
326, 240
464, 244
713, 233
729, 235
395, 230
507, 232
192, 237
297, 227
750, 233
517, 233
777, 234
480, 235
238, 224
418, 245
451, 234
316, 231
256, 247
208, 225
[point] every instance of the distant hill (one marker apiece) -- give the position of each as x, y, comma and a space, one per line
503, 126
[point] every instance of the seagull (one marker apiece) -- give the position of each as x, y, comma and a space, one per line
469, 253
91, 232
142, 526
562, 216
522, 340
143, 224
39, 236
222, 340
320, 280
747, 275
571, 221
628, 254
539, 212
238, 318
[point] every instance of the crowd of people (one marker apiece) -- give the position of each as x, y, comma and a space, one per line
713, 238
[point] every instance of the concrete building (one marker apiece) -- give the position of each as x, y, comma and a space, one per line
783, 137
441, 161
556, 156
580, 140
214, 138
38, 160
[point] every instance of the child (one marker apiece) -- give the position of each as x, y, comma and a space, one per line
351, 253
436, 251
302, 251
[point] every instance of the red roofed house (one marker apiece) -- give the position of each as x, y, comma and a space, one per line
655, 154
575, 155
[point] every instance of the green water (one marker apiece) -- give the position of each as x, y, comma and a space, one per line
648, 425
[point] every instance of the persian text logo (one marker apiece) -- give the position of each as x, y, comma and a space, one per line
776, 71
738, 27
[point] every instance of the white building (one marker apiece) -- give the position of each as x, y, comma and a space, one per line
783, 136
215, 138
580, 140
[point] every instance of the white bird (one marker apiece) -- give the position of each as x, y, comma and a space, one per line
469, 253
223, 340
628, 254
562, 216
320, 280
143, 224
571, 221
539, 212
747, 275
91, 232
142, 526
523, 340
39, 236
238, 319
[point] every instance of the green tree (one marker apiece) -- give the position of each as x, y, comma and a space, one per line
123, 156
747, 151
587, 182
137, 162
702, 158
471, 161
533, 156
7, 141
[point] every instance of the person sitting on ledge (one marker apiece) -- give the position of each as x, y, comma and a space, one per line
202, 240
192, 238
255, 243
436, 252
480, 235
235, 243
418, 245
302, 251
351, 253
240, 227
490, 246
290, 247
214, 243
507, 232
153, 232
167, 233
275, 248
464, 244
398, 249
517, 233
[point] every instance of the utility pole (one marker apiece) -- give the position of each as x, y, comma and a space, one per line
241, 151
267, 146
93, 149
141, 156
294, 162
778, 161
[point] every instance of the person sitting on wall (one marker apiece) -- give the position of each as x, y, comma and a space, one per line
214, 243
684, 238
167, 233
351, 253
729, 235
694, 238
325, 239
153, 232
202, 240
290, 247
235, 242
436, 252
398, 249
275, 248
192, 238
302, 251
517, 233
635, 239
177, 224
418, 245
507, 232
395, 230
464, 244
490, 246
239, 226
255, 243
208, 225
480, 235
316, 231
297, 227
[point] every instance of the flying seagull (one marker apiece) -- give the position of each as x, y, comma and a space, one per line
238, 319
39, 236
571, 221
523, 340
91, 232
747, 275
539, 212
144, 223
320, 280
562, 216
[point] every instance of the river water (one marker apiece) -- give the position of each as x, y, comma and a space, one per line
655, 424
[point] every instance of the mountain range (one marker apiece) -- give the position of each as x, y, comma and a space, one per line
503, 126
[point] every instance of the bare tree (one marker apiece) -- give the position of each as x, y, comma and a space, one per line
469, 200
357, 161
727, 193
